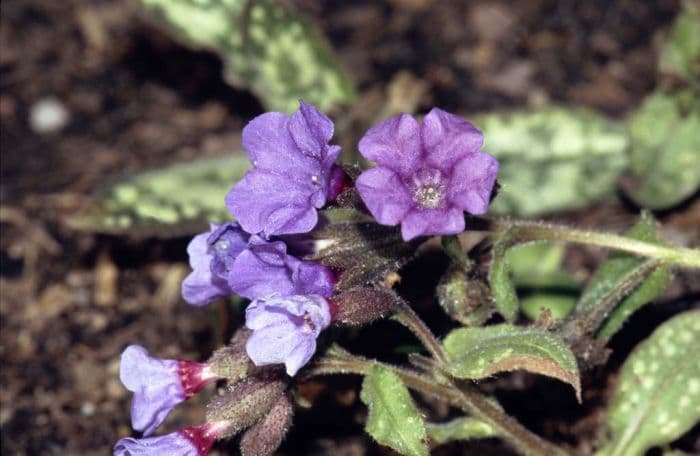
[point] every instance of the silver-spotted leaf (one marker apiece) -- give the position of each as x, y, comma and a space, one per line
464, 428
680, 55
664, 152
658, 394
477, 353
175, 200
393, 419
553, 159
278, 55
609, 275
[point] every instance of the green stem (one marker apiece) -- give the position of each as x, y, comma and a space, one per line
523, 231
408, 317
464, 397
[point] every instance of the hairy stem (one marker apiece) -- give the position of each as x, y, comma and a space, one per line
463, 396
408, 317
523, 231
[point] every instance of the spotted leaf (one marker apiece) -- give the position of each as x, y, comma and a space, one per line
658, 395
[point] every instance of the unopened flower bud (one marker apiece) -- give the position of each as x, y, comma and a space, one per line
265, 436
246, 402
362, 305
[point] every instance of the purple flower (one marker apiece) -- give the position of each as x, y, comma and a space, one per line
227, 260
191, 441
285, 329
293, 172
426, 175
159, 385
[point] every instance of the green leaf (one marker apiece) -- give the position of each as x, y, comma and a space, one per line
665, 152
541, 282
553, 159
393, 419
477, 353
680, 56
658, 394
613, 271
464, 428
278, 55
504, 296
176, 200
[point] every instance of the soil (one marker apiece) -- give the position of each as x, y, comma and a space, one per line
136, 99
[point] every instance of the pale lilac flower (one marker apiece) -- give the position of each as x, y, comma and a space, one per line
227, 260
159, 385
426, 175
293, 172
191, 441
285, 329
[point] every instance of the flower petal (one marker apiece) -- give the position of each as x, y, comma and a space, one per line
173, 444
201, 287
262, 270
384, 194
300, 355
311, 130
394, 143
472, 182
270, 146
272, 204
430, 222
448, 138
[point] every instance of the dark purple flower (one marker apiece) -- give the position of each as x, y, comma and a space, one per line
285, 329
227, 260
191, 441
159, 385
426, 175
212, 251
293, 172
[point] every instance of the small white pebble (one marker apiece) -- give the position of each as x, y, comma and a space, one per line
48, 115
87, 409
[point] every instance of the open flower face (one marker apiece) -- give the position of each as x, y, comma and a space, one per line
427, 174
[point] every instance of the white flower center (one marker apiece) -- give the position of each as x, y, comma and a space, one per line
428, 188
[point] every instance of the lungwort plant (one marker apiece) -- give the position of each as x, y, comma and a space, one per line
313, 245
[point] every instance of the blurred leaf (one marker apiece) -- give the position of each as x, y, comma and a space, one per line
393, 419
541, 282
502, 289
477, 353
464, 428
681, 54
665, 152
278, 55
553, 159
610, 273
658, 394
176, 200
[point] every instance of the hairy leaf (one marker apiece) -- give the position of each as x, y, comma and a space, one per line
658, 395
481, 352
464, 428
393, 419
176, 200
681, 54
553, 159
665, 151
614, 270
277, 54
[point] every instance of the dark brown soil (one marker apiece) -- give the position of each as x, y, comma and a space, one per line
72, 301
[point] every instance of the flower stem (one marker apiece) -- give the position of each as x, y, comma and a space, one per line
523, 231
465, 397
408, 317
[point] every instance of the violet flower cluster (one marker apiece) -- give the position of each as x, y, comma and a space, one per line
426, 176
